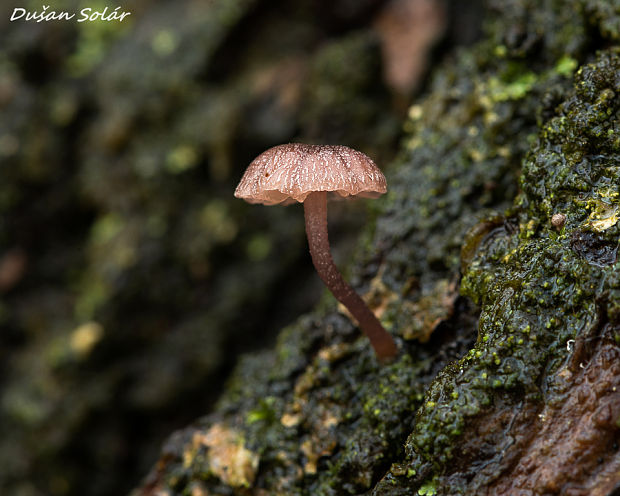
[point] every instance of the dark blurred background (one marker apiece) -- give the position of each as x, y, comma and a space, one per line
130, 278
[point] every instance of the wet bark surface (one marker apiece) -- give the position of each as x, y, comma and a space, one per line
130, 279
512, 387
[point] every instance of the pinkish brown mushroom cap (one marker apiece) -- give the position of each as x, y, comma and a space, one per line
289, 173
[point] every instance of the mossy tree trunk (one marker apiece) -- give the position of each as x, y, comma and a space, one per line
509, 324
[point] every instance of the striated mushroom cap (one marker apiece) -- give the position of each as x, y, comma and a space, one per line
289, 173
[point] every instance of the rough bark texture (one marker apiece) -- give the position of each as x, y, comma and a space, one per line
518, 395
130, 278
119, 324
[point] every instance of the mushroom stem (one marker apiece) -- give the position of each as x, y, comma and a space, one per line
315, 213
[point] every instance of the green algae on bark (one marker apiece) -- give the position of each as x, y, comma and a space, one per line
540, 291
314, 427
117, 153
451, 416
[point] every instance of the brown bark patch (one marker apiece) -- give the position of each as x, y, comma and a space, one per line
573, 447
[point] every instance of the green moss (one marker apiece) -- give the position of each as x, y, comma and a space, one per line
511, 90
529, 281
428, 489
502, 116
566, 66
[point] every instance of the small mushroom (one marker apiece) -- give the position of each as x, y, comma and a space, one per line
304, 173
